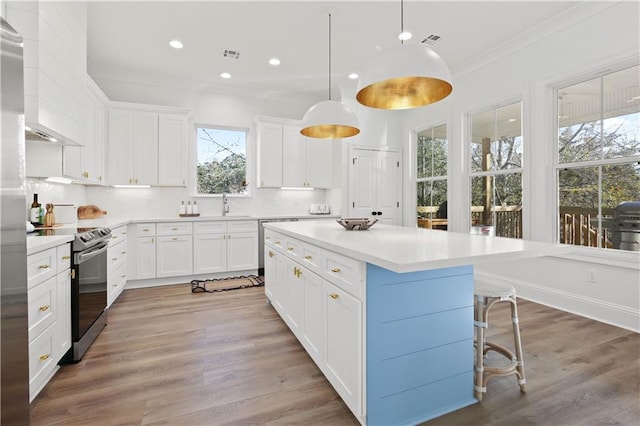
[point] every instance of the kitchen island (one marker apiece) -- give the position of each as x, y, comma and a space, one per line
387, 313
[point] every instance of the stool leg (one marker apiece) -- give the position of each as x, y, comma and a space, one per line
479, 388
518, 344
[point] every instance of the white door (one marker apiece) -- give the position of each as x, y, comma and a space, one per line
145, 144
295, 305
63, 294
271, 282
319, 162
282, 298
313, 335
172, 149
269, 155
145, 258
120, 147
175, 256
209, 253
293, 157
242, 251
375, 186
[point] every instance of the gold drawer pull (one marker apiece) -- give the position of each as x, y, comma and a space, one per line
174, 229
290, 248
267, 238
336, 270
114, 237
44, 266
271, 253
174, 239
45, 357
277, 242
307, 257
114, 285
44, 308
66, 257
334, 295
123, 252
114, 258
123, 276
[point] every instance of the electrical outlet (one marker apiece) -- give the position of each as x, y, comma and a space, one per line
591, 276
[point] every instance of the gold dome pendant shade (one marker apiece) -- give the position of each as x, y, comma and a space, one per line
403, 77
330, 119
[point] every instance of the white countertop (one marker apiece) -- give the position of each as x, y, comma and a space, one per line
403, 249
36, 243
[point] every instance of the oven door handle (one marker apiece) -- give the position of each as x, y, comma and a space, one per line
84, 256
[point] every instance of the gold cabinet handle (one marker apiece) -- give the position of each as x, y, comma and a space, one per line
114, 258
175, 239
295, 271
123, 252
123, 276
271, 253
334, 295
44, 357
44, 266
114, 285
115, 237
174, 229
66, 257
308, 257
299, 273
44, 308
290, 248
267, 238
277, 242
336, 270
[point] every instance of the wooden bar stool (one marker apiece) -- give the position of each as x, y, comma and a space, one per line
485, 296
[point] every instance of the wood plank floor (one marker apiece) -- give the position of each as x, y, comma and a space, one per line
170, 357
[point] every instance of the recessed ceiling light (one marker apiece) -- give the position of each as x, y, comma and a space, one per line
274, 61
353, 76
405, 35
176, 44
225, 75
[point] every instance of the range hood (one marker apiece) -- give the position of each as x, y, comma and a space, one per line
39, 133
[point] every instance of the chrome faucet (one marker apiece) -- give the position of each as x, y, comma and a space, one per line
225, 204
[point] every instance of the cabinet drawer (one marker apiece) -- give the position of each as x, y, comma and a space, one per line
117, 277
311, 257
242, 226
116, 255
41, 266
279, 241
174, 228
43, 307
41, 360
293, 248
63, 254
216, 227
348, 274
269, 237
145, 229
118, 235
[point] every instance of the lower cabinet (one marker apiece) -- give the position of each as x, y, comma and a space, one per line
49, 312
174, 256
223, 246
116, 263
326, 319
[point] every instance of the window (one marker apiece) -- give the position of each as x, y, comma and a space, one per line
221, 160
496, 171
598, 155
431, 177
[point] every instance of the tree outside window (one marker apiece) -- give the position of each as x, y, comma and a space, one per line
221, 160
431, 177
496, 171
598, 155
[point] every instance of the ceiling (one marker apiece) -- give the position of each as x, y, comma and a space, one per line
128, 40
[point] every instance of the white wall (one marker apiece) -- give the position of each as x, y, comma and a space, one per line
601, 36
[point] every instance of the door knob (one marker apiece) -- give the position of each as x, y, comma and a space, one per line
374, 213
379, 213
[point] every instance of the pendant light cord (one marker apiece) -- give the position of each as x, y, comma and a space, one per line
401, 20
329, 56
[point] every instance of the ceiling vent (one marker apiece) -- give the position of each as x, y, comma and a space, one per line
432, 39
232, 54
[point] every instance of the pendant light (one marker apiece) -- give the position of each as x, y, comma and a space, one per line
330, 119
404, 76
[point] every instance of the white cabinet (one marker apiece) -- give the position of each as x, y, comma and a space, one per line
269, 152
133, 147
174, 249
143, 265
307, 162
343, 316
375, 184
172, 149
147, 145
318, 294
286, 158
55, 65
116, 263
49, 312
86, 164
221, 246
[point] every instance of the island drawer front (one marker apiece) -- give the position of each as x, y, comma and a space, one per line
294, 248
277, 240
213, 227
118, 234
311, 257
346, 273
41, 266
43, 307
63, 253
41, 360
145, 229
174, 228
242, 226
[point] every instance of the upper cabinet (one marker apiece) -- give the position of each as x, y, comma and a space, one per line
288, 159
147, 145
86, 164
55, 65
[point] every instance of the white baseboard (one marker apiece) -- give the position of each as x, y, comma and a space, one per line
599, 310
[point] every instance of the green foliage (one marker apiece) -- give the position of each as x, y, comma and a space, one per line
227, 176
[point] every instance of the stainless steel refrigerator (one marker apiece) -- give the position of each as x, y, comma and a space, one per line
14, 349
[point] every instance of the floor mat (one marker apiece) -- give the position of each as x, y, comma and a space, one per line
225, 284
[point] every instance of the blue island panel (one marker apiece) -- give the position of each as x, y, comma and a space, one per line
419, 344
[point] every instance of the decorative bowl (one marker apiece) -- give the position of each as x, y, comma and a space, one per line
356, 223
